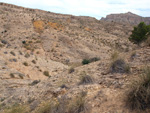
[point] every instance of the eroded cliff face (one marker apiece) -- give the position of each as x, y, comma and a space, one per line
129, 18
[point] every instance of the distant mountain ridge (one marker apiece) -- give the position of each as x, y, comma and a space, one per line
128, 17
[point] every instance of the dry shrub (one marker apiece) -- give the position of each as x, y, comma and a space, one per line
56, 26
77, 104
71, 70
114, 55
25, 64
47, 107
147, 42
39, 26
17, 109
138, 94
87, 29
119, 66
86, 79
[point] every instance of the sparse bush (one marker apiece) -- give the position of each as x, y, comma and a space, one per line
4, 41
94, 59
133, 55
38, 41
24, 42
20, 53
12, 75
33, 61
25, 63
77, 104
86, 79
1, 45
34, 82
37, 52
17, 109
46, 73
148, 41
12, 53
119, 66
114, 55
21, 75
87, 61
46, 107
27, 55
140, 33
138, 94
71, 70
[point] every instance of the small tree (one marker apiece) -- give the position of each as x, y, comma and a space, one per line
140, 33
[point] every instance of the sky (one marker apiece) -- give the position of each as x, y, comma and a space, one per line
93, 8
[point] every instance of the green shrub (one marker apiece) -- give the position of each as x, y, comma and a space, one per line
140, 33
24, 42
138, 94
87, 61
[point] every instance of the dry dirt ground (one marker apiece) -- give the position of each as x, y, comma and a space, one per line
38, 49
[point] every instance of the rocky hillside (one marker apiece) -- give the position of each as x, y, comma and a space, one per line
41, 56
126, 18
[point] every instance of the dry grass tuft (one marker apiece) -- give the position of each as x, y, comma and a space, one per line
119, 66
138, 94
86, 79
17, 109
64, 105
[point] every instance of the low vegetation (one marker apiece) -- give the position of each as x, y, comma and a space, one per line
34, 82
138, 95
86, 79
12, 53
33, 61
27, 55
64, 105
12, 75
87, 61
17, 109
119, 66
46, 73
114, 55
71, 70
25, 64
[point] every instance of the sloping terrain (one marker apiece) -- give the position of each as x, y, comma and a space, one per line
41, 54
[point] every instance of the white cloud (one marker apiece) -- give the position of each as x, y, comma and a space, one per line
95, 8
